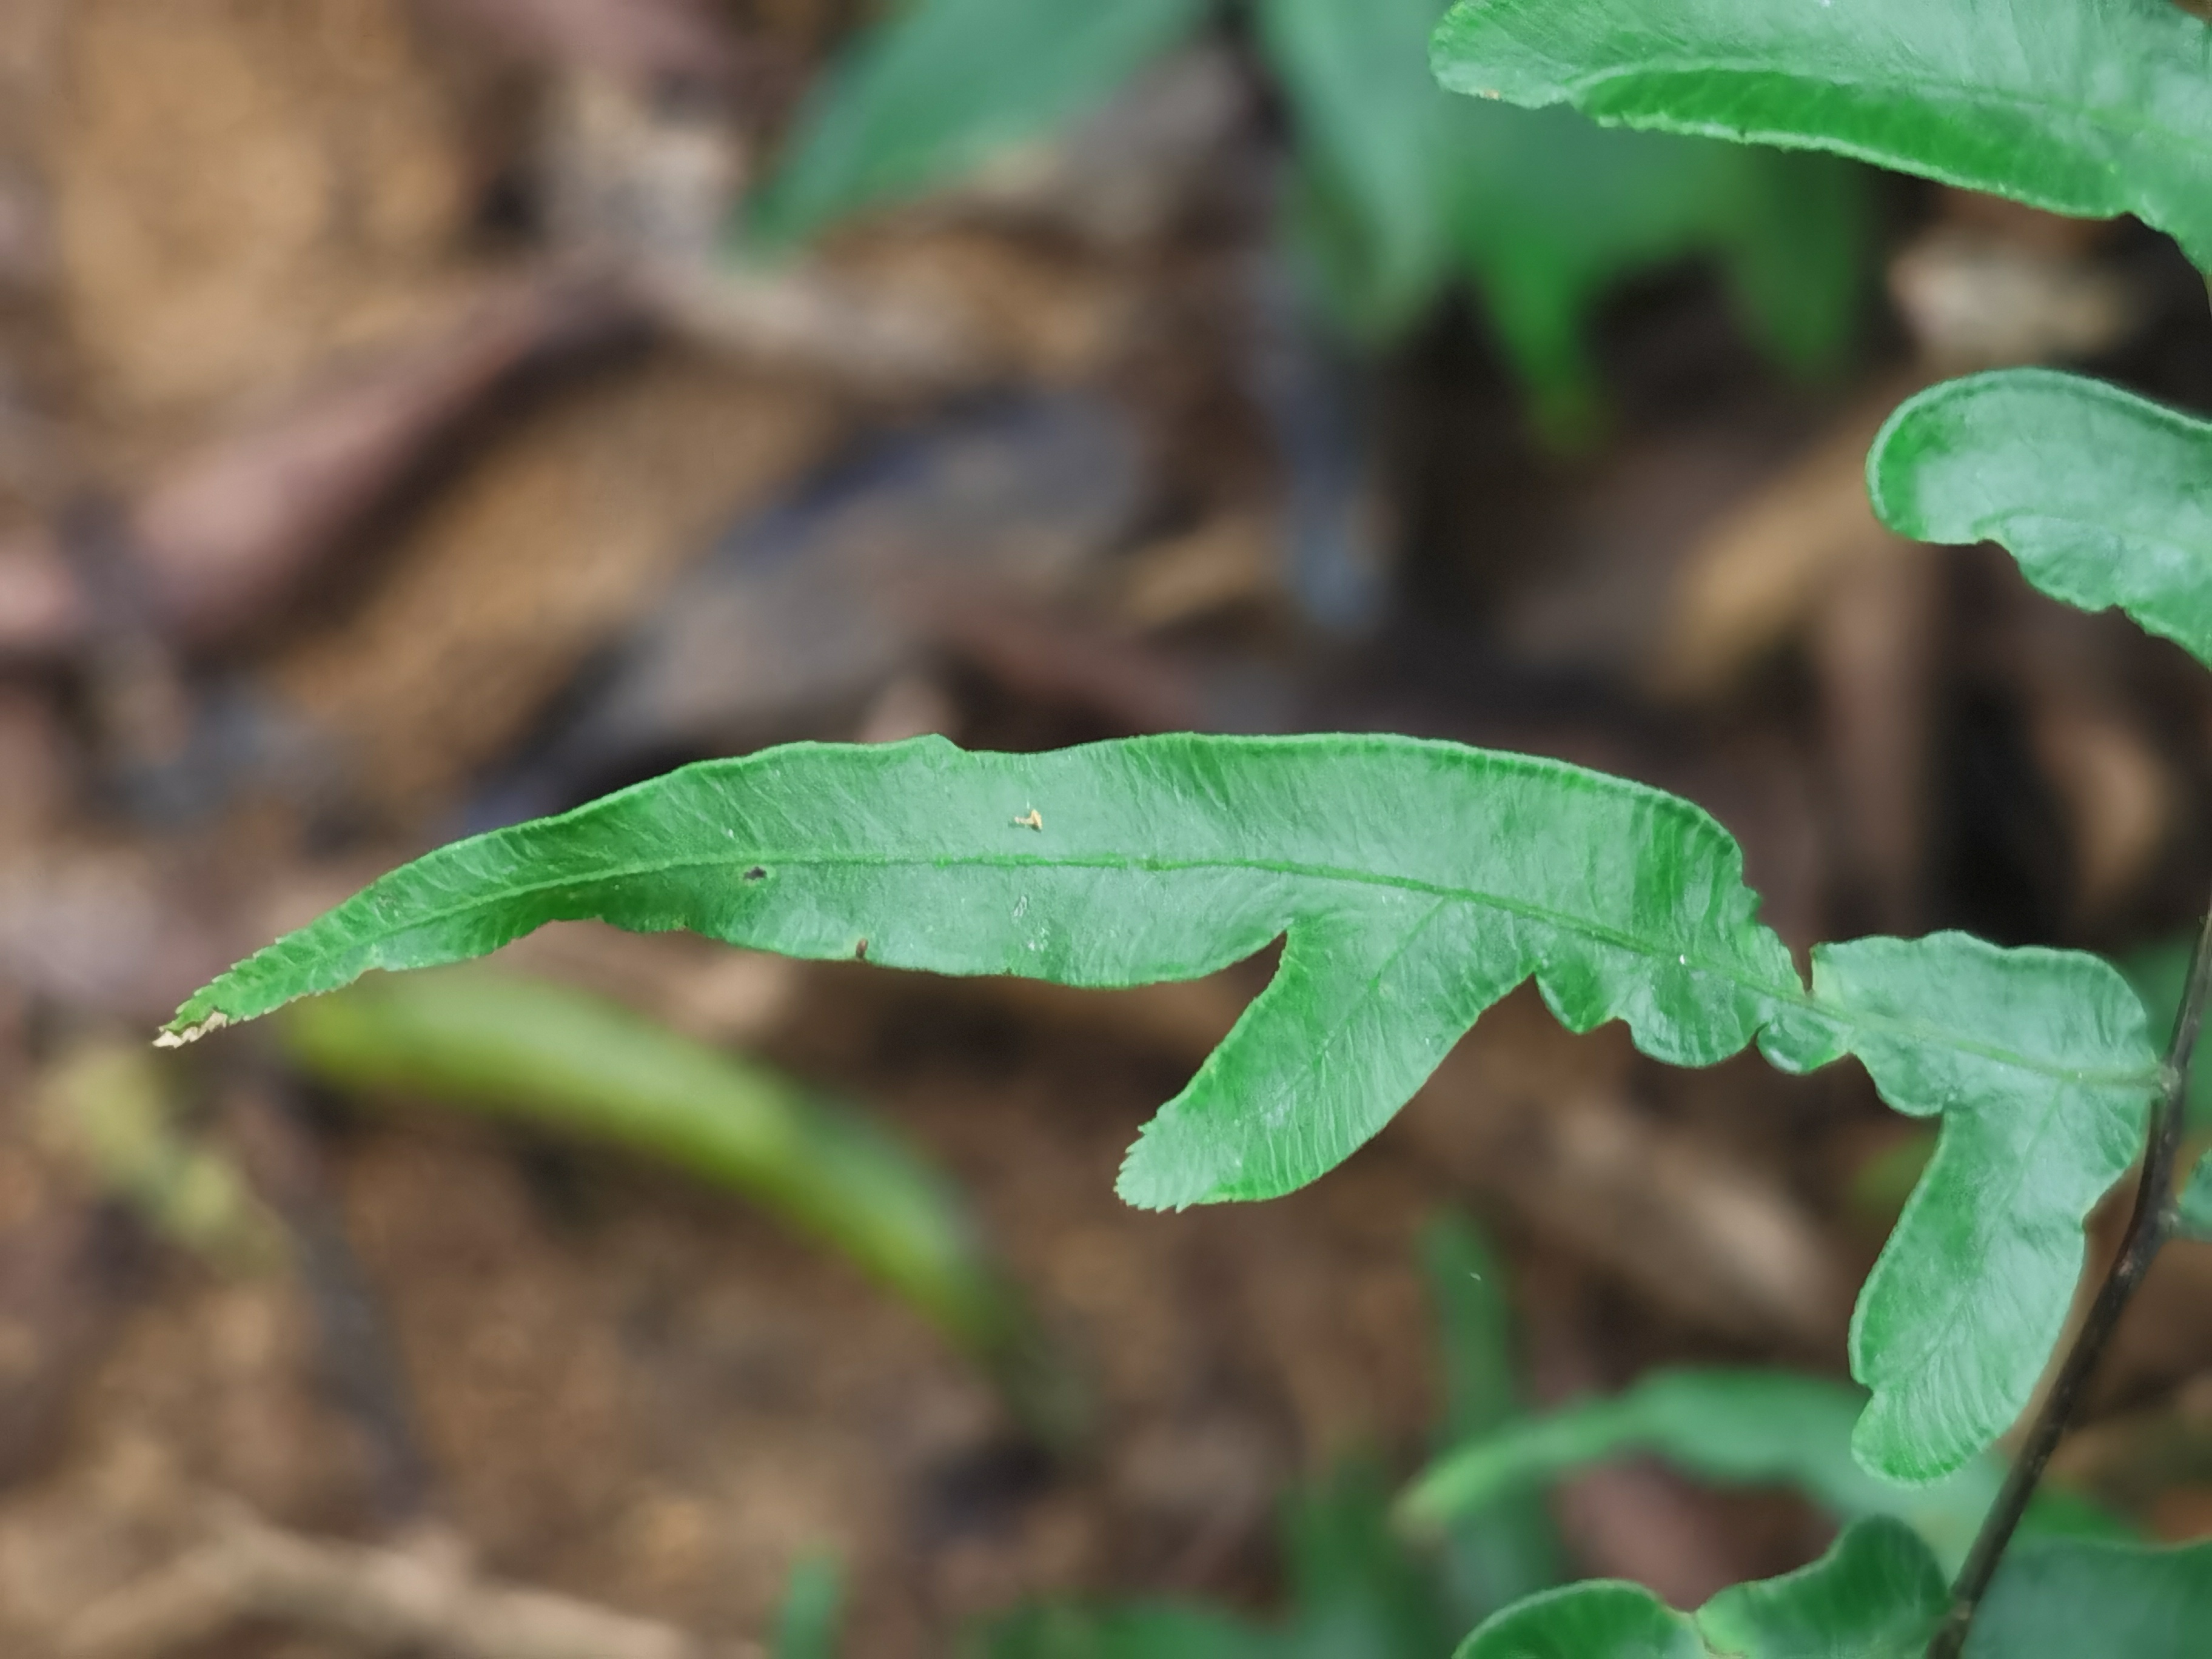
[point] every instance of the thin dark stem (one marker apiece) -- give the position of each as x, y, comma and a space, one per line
2147, 1228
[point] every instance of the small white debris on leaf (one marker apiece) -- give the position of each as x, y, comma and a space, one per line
214, 1022
1032, 819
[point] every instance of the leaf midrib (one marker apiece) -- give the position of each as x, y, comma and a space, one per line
1794, 992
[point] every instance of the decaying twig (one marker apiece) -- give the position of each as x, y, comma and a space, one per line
421, 1599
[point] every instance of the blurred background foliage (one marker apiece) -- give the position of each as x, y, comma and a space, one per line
416, 415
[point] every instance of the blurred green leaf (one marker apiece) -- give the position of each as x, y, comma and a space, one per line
1374, 152
1356, 1591
2159, 974
561, 1059
1877, 1595
1495, 1552
2193, 1208
2071, 1598
1136, 1632
946, 84
1738, 1428
2095, 108
1551, 213
109, 1110
813, 1606
1404, 186
2098, 492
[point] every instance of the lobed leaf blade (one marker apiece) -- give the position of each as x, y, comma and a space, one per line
1957, 1318
2098, 492
1415, 883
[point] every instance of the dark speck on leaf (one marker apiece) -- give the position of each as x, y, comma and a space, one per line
755, 874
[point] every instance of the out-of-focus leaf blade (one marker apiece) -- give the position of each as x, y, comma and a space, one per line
1374, 149
559, 1058
813, 1608
2064, 1598
1128, 1632
1734, 1427
1877, 1595
2092, 107
2098, 492
1415, 883
1354, 1588
107, 1111
2159, 974
1550, 214
2193, 1207
944, 84
1402, 184
1504, 1548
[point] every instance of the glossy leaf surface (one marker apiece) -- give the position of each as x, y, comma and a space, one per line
943, 86
2092, 107
2100, 494
1735, 1428
1413, 884
1876, 1595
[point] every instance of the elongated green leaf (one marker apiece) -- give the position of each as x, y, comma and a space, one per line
1932, 1335
813, 1608
1877, 1595
2066, 1598
1735, 1427
2084, 107
946, 83
2100, 494
1374, 149
1414, 883
1496, 1550
549, 1055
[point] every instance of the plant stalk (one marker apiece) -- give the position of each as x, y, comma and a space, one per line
2148, 1227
